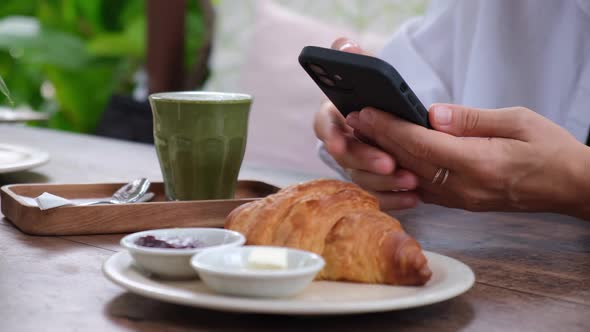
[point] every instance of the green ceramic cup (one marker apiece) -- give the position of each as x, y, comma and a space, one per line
200, 139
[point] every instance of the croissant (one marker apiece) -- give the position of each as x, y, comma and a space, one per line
342, 223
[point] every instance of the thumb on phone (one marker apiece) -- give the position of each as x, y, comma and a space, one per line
464, 121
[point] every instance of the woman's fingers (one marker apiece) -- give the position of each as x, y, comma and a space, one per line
396, 200
424, 169
402, 179
341, 144
331, 128
466, 121
347, 45
394, 191
360, 156
421, 150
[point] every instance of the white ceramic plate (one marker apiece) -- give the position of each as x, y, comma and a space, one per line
10, 116
18, 158
450, 278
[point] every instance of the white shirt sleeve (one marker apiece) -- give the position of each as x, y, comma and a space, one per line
422, 52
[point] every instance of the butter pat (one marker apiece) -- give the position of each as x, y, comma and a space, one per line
267, 259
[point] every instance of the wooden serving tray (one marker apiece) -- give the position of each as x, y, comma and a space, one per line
120, 218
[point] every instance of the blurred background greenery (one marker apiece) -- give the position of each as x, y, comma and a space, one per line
68, 57
4, 90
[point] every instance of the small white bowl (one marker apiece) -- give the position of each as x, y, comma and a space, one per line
225, 270
175, 263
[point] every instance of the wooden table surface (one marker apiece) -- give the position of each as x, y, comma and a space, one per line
532, 270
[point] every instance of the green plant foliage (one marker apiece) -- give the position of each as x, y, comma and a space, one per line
130, 42
195, 33
42, 46
4, 90
83, 95
86, 50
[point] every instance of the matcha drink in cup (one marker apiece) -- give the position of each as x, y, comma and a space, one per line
200, 139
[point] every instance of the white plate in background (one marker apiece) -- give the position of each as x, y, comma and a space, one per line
8, 115
15, 158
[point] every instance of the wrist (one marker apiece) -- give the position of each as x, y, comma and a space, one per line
580, 185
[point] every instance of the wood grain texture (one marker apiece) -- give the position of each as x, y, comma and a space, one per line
543, 254
118, 218
533, 270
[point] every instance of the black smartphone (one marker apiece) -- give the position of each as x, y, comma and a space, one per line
354, 81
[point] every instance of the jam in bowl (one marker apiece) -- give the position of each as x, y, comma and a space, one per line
166, 253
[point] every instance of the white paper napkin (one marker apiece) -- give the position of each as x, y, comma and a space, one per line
48, 201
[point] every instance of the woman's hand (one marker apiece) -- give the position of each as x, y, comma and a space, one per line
510, 159
367, 165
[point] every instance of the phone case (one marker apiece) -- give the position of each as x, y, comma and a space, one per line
353, 81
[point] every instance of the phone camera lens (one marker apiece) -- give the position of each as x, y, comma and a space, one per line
327, 81
317, 69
